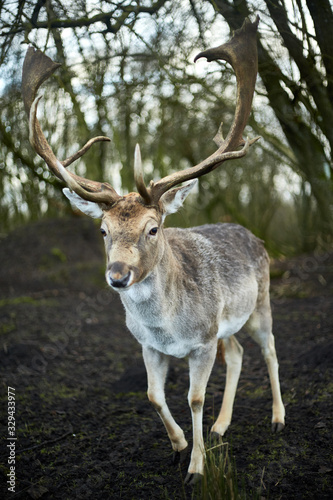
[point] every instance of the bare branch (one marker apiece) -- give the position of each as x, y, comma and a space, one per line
111, 23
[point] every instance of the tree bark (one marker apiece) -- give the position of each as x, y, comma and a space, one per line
322, 16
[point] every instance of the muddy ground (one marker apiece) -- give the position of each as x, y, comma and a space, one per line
84, 426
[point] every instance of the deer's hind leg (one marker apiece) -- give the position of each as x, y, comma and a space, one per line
259, 327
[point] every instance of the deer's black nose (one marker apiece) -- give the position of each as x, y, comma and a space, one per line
118, 275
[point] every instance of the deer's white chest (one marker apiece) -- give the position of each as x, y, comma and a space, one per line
162, 338
160, 328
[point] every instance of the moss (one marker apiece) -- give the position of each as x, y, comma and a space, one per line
55, 256
257, 392
58, 254
7, 327
56, 448
290, 396
276, 273
257, 455
141, 395
59, 391
325, 393
25, 299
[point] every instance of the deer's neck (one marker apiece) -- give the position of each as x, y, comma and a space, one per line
159, 312
158, 287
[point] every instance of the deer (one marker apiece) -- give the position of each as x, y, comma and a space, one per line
185, 291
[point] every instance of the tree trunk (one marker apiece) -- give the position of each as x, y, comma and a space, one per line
309, 151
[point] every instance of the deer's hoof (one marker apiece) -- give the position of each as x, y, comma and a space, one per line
277, 427
192, 478
220, 428
179, 456
215, 437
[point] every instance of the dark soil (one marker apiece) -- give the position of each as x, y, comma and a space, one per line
84, 426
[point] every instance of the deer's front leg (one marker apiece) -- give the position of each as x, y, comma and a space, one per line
201, 362
157, 365
233, 359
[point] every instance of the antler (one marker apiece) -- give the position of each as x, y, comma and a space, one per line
37, 68
241, 53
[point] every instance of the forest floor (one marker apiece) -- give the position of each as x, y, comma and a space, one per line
84, 427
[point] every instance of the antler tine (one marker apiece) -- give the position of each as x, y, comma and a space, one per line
241, 52
37, 68
138, 176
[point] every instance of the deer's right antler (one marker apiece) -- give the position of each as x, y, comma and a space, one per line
37, 68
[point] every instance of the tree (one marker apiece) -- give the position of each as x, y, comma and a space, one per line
127, 73
301, 92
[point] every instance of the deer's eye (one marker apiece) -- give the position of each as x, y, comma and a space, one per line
153, 231
103, 232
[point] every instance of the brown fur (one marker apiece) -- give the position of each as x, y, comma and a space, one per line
220, 352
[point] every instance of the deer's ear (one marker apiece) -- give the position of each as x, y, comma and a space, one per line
87, 207
172, 200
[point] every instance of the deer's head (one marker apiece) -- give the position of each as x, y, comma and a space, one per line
132, 224
132, 231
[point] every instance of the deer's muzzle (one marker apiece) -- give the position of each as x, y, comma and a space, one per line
118, 275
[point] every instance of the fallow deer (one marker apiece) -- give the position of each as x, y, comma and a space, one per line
183, 289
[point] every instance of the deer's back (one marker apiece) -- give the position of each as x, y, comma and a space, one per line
229, 250
228, 266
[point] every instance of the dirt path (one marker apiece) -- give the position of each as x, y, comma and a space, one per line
84, 426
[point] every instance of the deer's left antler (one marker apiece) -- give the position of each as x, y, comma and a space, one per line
241, 52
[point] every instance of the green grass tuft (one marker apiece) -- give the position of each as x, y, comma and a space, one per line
220, 480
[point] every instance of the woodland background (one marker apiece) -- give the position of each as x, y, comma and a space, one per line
85, 427
128, 73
